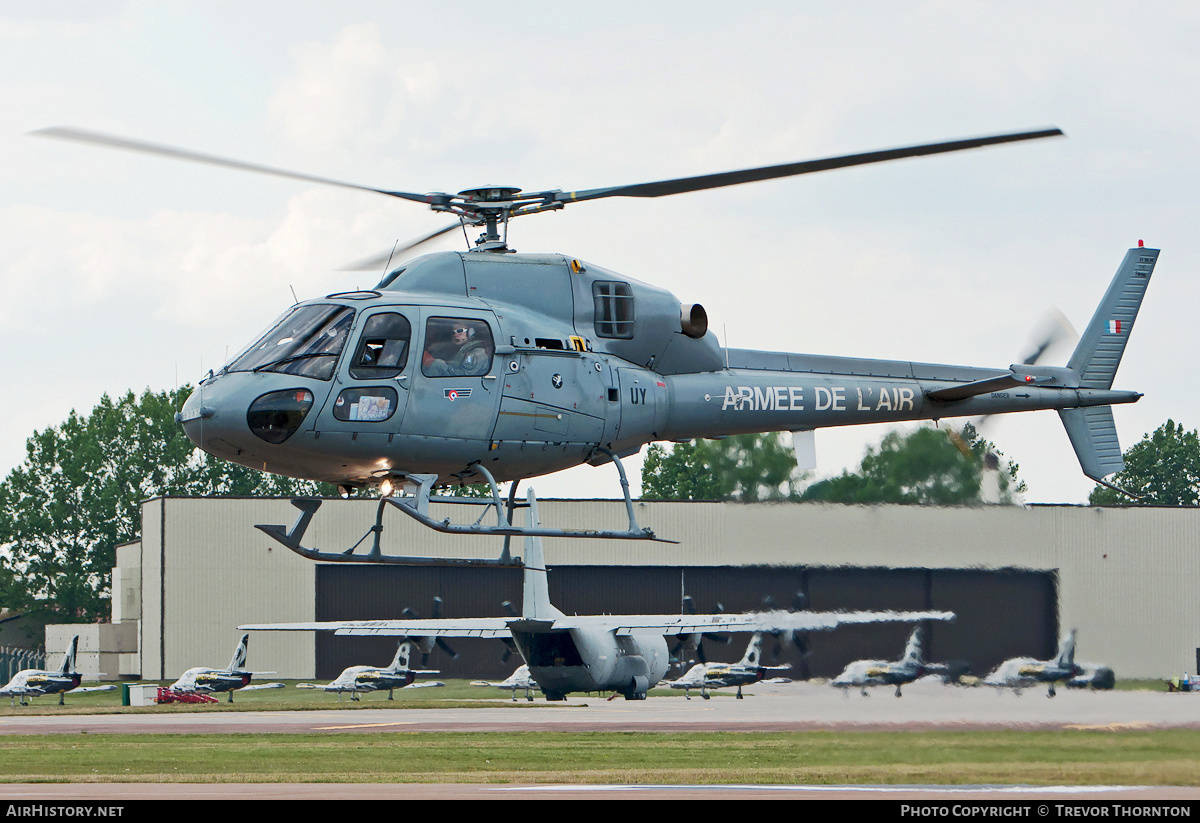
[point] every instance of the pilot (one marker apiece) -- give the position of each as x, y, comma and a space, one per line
464, 355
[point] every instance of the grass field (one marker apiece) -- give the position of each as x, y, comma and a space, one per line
1128, 757
1167, 757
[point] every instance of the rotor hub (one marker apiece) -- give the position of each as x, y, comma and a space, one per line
490, 194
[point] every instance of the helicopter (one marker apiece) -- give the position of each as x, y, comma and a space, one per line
488, 365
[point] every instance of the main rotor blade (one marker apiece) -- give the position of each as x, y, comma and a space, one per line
383, 259
114, 142
733, 178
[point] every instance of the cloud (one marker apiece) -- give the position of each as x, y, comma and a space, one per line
351, 94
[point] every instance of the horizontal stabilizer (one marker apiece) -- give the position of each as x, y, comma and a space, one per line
1094, 437
977, 387
1018, 376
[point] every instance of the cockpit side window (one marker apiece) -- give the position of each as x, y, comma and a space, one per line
457, 347
382, 348
307, 342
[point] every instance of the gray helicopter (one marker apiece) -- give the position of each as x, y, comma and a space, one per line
487, 366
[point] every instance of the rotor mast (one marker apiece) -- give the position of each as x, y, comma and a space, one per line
491, 206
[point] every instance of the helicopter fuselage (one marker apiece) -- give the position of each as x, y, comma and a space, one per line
529, 364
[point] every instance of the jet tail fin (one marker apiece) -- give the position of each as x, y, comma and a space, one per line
402, 660
1066, 652
912, 652
1102, 345
535, 591
753, 656
238, 661
68, 664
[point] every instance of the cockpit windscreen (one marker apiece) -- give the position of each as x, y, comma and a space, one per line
306, 342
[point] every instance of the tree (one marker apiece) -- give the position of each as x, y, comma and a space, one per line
923, 466
1163, 469
77, 496
746, 467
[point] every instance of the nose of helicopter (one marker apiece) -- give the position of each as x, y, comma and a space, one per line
214, 417
193, 416
242, 416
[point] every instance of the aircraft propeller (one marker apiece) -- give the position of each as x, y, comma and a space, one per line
510, 647
696, 641
427, 644
798, 639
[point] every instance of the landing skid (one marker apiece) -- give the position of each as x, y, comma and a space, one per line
415, 504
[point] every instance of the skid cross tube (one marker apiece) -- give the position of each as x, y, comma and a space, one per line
415, 504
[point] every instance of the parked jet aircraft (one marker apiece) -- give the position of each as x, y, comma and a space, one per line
233, 678
864, 673
593, 653
705, 676
517, 681
1020, 672
365, 679
31, 683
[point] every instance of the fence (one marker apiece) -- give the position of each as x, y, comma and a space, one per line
13, 660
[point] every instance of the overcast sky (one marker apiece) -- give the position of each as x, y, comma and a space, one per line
122, 271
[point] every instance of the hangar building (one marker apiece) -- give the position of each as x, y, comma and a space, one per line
1015, 576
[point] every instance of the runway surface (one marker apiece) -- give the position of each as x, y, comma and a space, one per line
785, 707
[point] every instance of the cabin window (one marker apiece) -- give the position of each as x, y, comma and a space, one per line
371, 405
382, 348
457, 347
306, 342
613, 309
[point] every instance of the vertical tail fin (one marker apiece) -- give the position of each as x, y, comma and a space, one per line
753, 656
1100, 348
239, 655
913, 652
68, 664
402, 661
535, 592
1093, 435
1096, 358
1066, 652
